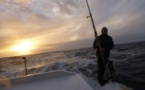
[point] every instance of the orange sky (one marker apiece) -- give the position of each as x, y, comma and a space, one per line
53, 25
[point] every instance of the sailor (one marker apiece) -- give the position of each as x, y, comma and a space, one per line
103, 44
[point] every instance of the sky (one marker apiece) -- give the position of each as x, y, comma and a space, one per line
37, 26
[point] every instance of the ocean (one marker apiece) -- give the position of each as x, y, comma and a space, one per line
128, 60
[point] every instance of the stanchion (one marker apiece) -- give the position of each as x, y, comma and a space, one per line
25, 65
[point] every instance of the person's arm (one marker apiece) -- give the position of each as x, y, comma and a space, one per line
111, 45
95, 44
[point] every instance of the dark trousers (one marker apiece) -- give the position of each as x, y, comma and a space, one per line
102, 67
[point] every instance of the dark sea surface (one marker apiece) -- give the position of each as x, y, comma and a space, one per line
128, 59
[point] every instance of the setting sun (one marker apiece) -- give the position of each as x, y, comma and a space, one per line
23, 47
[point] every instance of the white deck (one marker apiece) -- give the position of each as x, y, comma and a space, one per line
57, 80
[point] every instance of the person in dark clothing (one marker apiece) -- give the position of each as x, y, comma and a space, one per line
103, 43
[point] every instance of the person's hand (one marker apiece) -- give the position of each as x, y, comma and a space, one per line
97, 42
102, 49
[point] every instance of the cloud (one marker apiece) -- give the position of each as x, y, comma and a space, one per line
67, 45
131, 32
22, 1
122, 18
56, 24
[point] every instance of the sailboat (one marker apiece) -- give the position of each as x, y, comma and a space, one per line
58, 80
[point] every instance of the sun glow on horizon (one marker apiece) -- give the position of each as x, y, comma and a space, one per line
24, 47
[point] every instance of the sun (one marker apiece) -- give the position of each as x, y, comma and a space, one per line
23, 47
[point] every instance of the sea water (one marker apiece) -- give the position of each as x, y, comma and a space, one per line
128, 60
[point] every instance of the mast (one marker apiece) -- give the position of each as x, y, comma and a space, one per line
93, 24
95, 32
96, 36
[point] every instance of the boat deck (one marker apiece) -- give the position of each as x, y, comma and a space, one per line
59, 80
